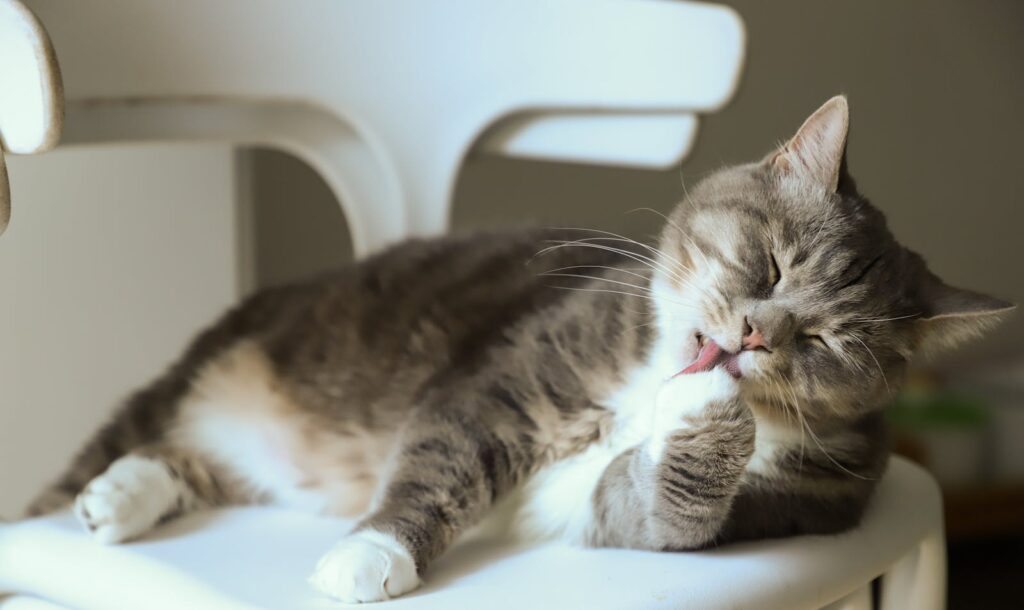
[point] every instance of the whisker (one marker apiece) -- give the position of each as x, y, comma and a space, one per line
675, 226
674, 273
622, 269
640, 258
793, 407
888, 390
828, 456
596, 277
627, 284
623, 238
618, 238
646, 261
678, 229
883, 319
631, 294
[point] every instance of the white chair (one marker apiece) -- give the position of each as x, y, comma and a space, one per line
259, 558
384, 100
31, 101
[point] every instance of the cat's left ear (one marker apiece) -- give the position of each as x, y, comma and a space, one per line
815, 153
954, 315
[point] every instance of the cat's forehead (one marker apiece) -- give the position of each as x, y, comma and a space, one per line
747, 206
820, 240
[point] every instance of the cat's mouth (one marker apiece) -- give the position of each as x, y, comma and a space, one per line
712, 355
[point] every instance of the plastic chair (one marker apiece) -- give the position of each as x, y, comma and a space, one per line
384, 100
258, 558
31, 101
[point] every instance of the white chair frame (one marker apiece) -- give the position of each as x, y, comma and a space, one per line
384, 100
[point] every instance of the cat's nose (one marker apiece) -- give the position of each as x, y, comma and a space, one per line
752, 337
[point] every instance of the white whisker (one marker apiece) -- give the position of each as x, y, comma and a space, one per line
888, 390
821, 447
640, 258
626, 284
605, 267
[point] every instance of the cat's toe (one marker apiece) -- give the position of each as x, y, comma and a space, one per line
106, 513
366, 566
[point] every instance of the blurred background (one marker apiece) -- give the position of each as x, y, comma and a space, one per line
936, 89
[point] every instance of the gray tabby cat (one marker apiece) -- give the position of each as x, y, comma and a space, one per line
726, 385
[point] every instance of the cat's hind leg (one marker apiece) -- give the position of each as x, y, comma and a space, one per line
141, 489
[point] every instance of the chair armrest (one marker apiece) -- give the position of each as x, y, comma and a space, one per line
636, 140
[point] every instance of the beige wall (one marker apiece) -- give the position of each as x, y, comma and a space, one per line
114, 257
936, 89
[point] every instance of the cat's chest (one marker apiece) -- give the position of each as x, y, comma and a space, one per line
556, 501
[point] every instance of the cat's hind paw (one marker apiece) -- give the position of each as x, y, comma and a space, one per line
367, 566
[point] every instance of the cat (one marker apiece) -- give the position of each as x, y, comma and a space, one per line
727, 384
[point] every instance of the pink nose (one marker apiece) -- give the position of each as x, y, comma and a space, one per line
753, 340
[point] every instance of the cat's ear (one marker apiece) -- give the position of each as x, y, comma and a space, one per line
951, 315
815, 153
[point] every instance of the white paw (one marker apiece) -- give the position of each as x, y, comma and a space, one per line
686, 396
126, 500
367, 566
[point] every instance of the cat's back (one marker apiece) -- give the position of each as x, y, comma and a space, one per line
425, 302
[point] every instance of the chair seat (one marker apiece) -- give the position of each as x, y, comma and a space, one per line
250, 558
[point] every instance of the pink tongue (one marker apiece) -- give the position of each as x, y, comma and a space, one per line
707, 359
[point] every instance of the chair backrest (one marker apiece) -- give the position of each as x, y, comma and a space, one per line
31, 102
384, 99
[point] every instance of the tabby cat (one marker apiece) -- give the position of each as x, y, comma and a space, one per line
727, 384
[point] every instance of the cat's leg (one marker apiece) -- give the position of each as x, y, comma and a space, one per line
141, 489
675, 491
449, 467
692, 485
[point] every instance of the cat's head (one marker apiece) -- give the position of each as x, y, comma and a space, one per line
786, 267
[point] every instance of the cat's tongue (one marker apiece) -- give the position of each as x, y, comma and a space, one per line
710, 356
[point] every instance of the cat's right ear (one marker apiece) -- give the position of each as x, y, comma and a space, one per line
951, 315
815, 154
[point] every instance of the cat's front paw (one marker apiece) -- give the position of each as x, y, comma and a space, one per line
367, 566
687, 395
684, 401
126, 500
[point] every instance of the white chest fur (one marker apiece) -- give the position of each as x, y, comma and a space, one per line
557, 503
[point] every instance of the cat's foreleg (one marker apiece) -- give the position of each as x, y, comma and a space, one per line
450, 466
675, 491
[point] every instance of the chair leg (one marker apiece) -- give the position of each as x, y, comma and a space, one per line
918, 580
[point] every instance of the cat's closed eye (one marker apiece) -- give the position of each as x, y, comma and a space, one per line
814, 340
774, 275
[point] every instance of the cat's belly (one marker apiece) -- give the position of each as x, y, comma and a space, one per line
266, 448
